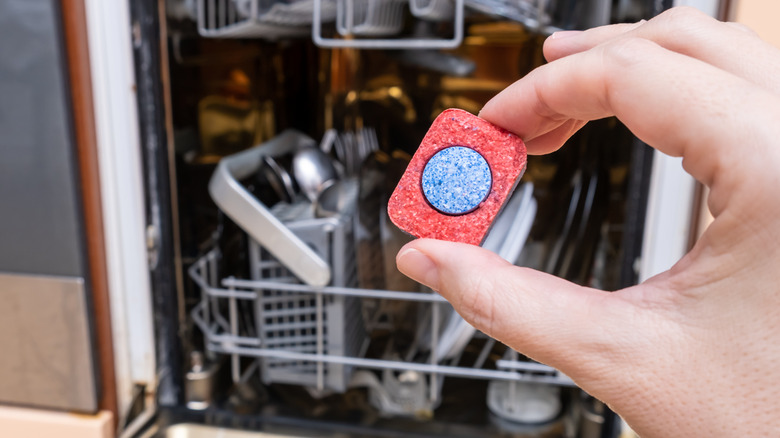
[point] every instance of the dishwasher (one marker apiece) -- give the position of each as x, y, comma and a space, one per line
278, 309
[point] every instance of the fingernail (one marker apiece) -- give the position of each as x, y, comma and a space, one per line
418, 266
561, 34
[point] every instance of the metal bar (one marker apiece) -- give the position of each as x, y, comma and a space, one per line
295, 325
512, 385
308, 349
216, 292
255, 264
235, 360
380, 364
213, 275
211, 278
237, 340
333, 290
201, 15
209, 333
212, 14
327, 224
219, 319
231, 12
204, 298
287, 311
269, 300
247, 374
213, 255
302, 339
524, 366
266, 264
195, 272
483, 354
434, 348
320, 343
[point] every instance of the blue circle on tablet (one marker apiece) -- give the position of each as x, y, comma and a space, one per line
456, 180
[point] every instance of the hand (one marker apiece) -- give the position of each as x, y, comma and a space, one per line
694, 351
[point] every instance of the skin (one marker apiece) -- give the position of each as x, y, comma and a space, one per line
693, 351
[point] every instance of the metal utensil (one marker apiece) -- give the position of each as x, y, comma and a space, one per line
312, 169
326, 144
352, 148
279, 179
337, 198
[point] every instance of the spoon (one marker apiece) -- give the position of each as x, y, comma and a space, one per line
338, 198
312, 168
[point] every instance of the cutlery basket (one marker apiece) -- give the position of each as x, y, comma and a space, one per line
308, 322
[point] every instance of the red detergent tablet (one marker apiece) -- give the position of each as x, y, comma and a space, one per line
460, 176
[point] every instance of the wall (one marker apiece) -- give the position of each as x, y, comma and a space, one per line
763, 16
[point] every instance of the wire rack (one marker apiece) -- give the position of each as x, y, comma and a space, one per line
218, 317
260, 18
365, 24
324, 341
357, 19
369, 24
289, 326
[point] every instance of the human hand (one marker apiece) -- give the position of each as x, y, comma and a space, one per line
693, 351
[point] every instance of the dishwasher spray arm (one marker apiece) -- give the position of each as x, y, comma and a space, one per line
255, 218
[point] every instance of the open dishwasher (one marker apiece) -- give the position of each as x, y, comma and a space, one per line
278, 306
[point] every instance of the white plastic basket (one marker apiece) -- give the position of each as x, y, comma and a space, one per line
309, 323
370, 17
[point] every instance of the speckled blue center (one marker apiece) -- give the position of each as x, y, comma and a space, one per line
456, 180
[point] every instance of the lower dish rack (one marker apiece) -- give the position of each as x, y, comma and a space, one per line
308, 363
314, 337
320, 337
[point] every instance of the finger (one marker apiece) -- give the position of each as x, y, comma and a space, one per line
567, 42
553, 140
728, 46
670, 101
533, 312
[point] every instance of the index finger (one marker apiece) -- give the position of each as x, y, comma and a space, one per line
677, 104
727, 46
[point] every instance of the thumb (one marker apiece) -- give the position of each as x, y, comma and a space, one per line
551, 320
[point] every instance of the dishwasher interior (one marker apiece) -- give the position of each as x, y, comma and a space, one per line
292, 121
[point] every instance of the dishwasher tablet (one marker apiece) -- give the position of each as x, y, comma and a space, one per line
458, 180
